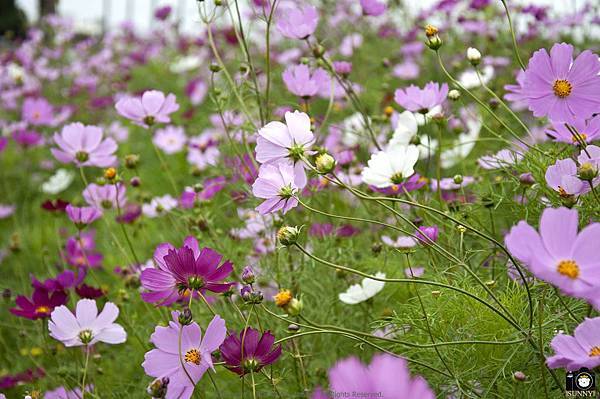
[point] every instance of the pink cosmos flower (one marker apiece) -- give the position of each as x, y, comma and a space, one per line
184, 269
107, 196
582, 349
6, 210
37, 111
153, 107
276, 183
298, 22
387, 375
558, 254
562, 88
182, 355
63, 393
516, 93
562, 177
422, 100
83, 216
170, 139
86, 327
203, 150
300, 81
196, 90
373, 7
585, 131
83, 146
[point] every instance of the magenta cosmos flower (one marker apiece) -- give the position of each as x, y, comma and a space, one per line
86, 327
184, 269
257, 351
558, 254
298, 22
422, 100
386, 377
560, 88
41, 304
83, 146
183, 361
83, 216
276, 183
300, 81
153, 107
580, 350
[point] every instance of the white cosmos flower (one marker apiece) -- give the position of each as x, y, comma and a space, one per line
58, 182
407, 125
367, 289
470, 80
188, 63
463, 146
391, 166
353, 129
159, 206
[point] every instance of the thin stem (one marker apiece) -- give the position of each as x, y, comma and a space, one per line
514, 37
85, 369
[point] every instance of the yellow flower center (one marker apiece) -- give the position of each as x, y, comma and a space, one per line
42, 310
562, 88
430, 30
395, 188
568, 268
283, 297
36, 115
192, 356
595, 351
579, 137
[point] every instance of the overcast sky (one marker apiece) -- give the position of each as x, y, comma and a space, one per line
117, 11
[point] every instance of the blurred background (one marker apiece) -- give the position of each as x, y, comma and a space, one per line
98, 15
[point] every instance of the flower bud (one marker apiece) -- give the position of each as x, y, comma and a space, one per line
293, 328
519, 376
110, 173
248, 276
288, 235
325, 163
454, 95
458, 179
158, 388
214, 68
185, 317
433, 40
132, 161
587, 171
474, 56
318, 51
135, 181
283, 298
294, 307
526, 179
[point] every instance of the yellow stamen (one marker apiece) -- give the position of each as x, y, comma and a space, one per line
579, 137
42, 310
562, 88
192, 356
283, 297
595, 351
568, 268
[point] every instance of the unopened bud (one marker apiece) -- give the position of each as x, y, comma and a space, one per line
474, 56
132, 161
458, 179
110, 173
214, 68
288, 235
526, 179
519, 376
318, 51
325, 163
454, 95
185, 317
248, 276
587, 171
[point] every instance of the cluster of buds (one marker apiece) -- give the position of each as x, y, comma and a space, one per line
250, 295
285, 299
434, 41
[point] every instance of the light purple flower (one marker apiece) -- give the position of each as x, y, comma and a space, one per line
203, 150
170, 139
37, 111
6, 210
562, 88
387, 376
422, 100
562, 177
298, 22
83, 216
83, 146
86, 327
107, 196
586, 131
558, 254
582, 349
185, 359
373, 7
153, 107
276, 183
63, 393
516, 93
399, 242
300, 81
427, 234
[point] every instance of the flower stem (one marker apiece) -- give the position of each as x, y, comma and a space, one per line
85, 369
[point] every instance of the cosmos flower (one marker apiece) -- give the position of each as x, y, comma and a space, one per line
63, 393
276, 183
585, 131
184, 269
27, 138
502, 159
399, 242
427, 234
300, 81
562, 177
516, 93
203, 150
558, 254
392, 166
81, 251
367, 289
562, 88
387, 376
37, 111
182, 355
422, 100
298, 22
153, 107
170, 139
6, 210
159, 206
83, 146
83, 216
249, 351
86, 327
582, 349
40, 305
107, 196
58, 182
373, 7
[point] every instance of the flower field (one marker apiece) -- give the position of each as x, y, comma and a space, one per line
320, 199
